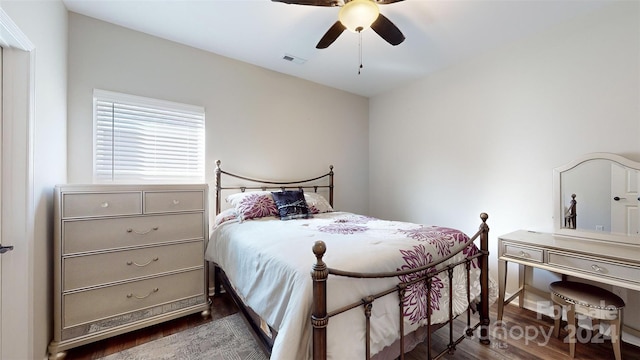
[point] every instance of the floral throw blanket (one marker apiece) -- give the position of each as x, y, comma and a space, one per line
269, 263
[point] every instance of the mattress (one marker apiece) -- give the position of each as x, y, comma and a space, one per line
268, 261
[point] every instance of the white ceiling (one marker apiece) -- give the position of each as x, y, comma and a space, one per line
438, 33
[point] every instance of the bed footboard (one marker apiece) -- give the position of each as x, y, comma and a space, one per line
320, 316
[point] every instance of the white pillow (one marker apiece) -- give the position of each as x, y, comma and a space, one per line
224, 216
316, 203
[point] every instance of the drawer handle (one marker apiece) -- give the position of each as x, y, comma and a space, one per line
104, 205
130, 230
524, 254
176, 202
142, 265
130, 295
596, 268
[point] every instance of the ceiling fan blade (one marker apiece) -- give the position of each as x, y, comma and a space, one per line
387, 30
384, 2
311, 2
331, 35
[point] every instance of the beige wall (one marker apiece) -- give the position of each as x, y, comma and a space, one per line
45, 25
258, 122
484, 135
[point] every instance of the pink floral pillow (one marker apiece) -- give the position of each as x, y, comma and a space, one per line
253, 205
316, 203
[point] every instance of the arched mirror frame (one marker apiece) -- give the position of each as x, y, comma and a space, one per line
560, 204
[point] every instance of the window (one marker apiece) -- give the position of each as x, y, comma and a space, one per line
145, 140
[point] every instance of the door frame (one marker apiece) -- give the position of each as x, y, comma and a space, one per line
17, 191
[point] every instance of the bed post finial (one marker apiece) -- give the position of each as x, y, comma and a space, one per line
319, 319
484, 217
319, 248
484, 280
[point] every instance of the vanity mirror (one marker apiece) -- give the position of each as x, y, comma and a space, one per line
597, 197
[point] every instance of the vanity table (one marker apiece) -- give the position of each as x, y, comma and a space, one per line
596, 228
605, 262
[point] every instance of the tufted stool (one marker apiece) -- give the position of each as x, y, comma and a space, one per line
589, 300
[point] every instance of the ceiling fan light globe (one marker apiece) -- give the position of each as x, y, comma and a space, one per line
358, 15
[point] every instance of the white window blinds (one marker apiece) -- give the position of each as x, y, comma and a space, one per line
145, 140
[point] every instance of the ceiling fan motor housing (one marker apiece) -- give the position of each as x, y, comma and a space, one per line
358, 15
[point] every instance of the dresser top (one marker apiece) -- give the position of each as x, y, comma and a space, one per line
586, 246
128, 187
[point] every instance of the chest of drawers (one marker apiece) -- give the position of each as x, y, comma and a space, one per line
126, 257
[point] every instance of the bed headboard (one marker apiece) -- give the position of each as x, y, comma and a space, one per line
314, 184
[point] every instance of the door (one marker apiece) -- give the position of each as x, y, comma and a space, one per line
16, 177
624, 200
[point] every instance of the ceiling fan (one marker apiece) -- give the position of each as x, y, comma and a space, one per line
355, 15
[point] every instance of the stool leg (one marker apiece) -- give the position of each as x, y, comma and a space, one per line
615, 335
571, 327
596, 327
557, 318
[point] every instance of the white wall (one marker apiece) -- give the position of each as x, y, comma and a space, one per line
45, 25
480, 136
484, 135
258, 122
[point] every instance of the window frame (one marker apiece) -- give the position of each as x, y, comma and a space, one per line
156, 104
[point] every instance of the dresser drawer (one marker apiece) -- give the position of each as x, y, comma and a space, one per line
101, 204
109, 301
113, 233
594, 266
171, 201
523, 252
99, 269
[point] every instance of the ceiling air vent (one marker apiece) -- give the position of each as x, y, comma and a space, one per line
294, 59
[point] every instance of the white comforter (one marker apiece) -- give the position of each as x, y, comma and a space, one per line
269, 262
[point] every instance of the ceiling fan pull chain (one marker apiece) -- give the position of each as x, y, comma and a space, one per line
360, 50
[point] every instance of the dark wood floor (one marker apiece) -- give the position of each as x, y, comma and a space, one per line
508, 342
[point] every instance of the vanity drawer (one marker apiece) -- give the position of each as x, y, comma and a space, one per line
172, 201
113, 233
86, 306
101, 204
594, 266
523, 252
100, 269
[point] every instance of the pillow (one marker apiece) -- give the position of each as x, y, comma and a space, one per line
253, 205
224, 216
317, 203
291, 204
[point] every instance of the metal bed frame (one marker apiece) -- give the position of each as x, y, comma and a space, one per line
320, 275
